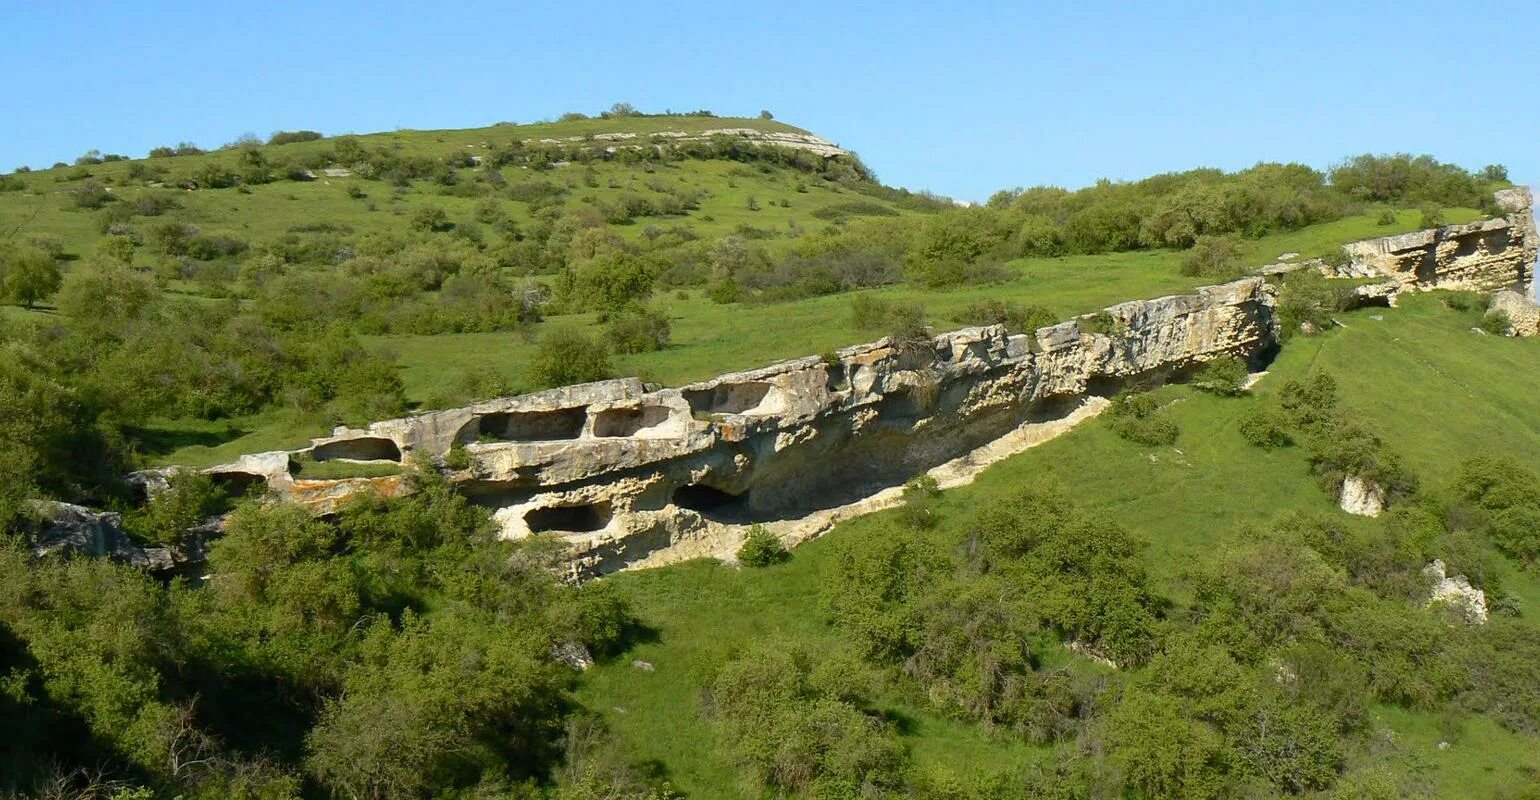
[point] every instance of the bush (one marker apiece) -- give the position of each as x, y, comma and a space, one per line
1265, 427
1386, 217
1223, 376
1497, 323
289, 137
1306, 301
638, 330
762, 548
1432, 217
431, 219
566, 356
920, 496
1214, 257
1015, 317
1138, 418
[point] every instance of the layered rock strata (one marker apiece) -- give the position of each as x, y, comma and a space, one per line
1478, 256
624, 473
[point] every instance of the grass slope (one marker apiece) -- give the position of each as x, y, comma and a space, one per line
710, 339
1436, 390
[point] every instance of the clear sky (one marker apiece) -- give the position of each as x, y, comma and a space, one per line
960, 98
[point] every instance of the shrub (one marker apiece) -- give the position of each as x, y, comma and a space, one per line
1138, 418
1101, 322
1216, 257
1432, 217
920, 496
566, 356
1459, 301
431, 219
289, 137
189, 499
1015, 317
90, 195
1223, 376
1306, 301
762, 548
1496, 322
1265, 427
638, 330
1386, 217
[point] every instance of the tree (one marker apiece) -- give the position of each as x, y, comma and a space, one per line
566, 356
766, 115
1216, 257
430, 219
103, 297
28, 275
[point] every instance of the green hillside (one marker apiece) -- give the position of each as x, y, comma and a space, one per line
1188, 502
1190, 617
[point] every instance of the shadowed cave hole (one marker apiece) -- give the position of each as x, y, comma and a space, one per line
367, 448
584, 518
629, 421
730, 398
237, 484
710, 501
535, 426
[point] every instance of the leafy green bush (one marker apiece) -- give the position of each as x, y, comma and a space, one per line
638, 330
189, 498
1139, 418
1306, 301
919, 506
1015, 317
761, 548
1497, 323
1222, 376
1265, 427
566, 356
1214, 257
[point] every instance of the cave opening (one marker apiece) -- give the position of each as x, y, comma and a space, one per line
710, 501
583, 518
363, 448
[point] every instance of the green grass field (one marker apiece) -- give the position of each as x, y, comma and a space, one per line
1437, 391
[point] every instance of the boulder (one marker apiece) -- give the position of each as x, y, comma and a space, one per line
1455, 592
1362, 497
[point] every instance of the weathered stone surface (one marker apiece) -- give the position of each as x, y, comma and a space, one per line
1468, 602
67, 529
623, 473
1523, 314
1362, 497
1478, 256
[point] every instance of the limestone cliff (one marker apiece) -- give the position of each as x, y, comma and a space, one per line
1482, 256
622, 472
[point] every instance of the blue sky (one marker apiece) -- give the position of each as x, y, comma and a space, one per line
960, 98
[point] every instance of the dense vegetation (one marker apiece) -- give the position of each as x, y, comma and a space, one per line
399, 650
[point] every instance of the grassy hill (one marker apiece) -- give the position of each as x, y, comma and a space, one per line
1437, 391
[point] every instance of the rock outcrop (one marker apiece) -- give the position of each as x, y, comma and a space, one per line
67, 529
788, 139
1523, 315
1362, 497
624, 473
1478, 256
1467, 602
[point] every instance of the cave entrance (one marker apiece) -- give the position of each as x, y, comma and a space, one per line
629, 421
529, 426
728, 398
711, 502
364, 448
584, 518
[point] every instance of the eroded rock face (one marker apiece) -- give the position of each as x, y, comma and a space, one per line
623, 473
1362, 497
1468, 602
1478, 256
1523, 314
67, 529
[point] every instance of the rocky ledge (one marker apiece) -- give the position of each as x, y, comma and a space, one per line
628, 474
